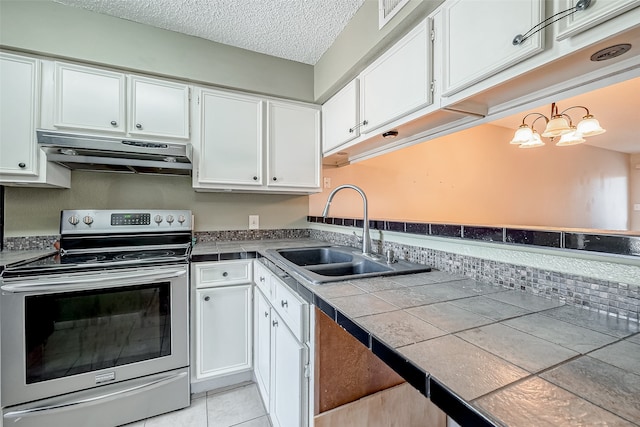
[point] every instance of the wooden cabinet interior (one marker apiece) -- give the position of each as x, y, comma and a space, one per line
355, 387
345, 369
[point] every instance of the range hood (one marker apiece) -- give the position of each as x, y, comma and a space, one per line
110, 154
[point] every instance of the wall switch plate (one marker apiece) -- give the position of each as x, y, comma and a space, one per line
327, 182
254, 222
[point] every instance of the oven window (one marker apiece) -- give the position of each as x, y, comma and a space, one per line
75, 332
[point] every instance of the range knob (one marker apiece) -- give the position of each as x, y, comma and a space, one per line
170, 219
158, 219
87, 220
181, 219
74, 220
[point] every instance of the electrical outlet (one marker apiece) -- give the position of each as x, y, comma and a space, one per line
254, 222
327, 182
636, 207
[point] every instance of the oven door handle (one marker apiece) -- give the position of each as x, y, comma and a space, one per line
19, 413
109, 280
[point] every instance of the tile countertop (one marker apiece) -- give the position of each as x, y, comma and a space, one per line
484, 354
11, 257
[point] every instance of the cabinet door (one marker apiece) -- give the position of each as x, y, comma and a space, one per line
262, 344
159, 108
398, 82
19, 78
89, 98
294, 146
478, 38
290, 386
595, 14
340, 117
231, 139
223, 340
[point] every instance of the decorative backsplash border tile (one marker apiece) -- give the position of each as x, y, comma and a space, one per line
235, 235
619, 299
29, 243
593, 242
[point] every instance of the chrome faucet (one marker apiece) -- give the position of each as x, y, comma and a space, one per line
366, 238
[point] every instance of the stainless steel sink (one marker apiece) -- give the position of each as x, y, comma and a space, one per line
335, 263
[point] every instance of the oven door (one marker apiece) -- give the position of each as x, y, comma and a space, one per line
65, 333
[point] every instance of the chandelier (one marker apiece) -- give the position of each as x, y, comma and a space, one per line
559, 125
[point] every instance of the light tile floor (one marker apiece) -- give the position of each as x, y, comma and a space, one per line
239, 407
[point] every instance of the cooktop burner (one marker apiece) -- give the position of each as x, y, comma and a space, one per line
102, 239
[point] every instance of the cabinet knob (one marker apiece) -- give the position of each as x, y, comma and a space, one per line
22, 165
284, 303
275, 179
225, 274
138, 126
274, 323
207, 298
255, 178
266, 314
114, 123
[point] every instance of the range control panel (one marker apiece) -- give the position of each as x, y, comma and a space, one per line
87, 221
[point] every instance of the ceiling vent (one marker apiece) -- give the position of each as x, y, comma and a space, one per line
387, 9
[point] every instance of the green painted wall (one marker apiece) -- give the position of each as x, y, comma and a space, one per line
36, 211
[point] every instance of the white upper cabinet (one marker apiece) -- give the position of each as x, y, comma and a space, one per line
94, 99
254, 144
158, 108
89, 98
340, 117
478, 38
21, 160
294, 146
398, 82
393, 87
231, 139
596, 13
18, 118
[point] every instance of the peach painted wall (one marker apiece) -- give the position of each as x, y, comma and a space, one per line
476, 177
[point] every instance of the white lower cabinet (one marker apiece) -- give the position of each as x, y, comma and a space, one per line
262, 345
282, 359
288, 364
222, 325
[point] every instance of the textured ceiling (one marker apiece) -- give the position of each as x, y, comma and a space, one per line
298, 30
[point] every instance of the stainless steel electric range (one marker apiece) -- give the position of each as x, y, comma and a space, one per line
97, 334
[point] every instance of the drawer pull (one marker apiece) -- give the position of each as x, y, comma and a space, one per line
266, 314
262, 278
225, 274
207, 298
284, 303
275, 323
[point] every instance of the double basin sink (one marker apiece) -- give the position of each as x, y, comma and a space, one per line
336, 263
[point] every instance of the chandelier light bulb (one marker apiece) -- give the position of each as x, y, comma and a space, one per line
558, 125
589, 126
572, 138
534, 142
523, 134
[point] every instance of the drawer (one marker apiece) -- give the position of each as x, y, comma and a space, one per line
293, 310
224, 273
262, 278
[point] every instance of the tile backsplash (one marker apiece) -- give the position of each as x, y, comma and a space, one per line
29, 243
614, 298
